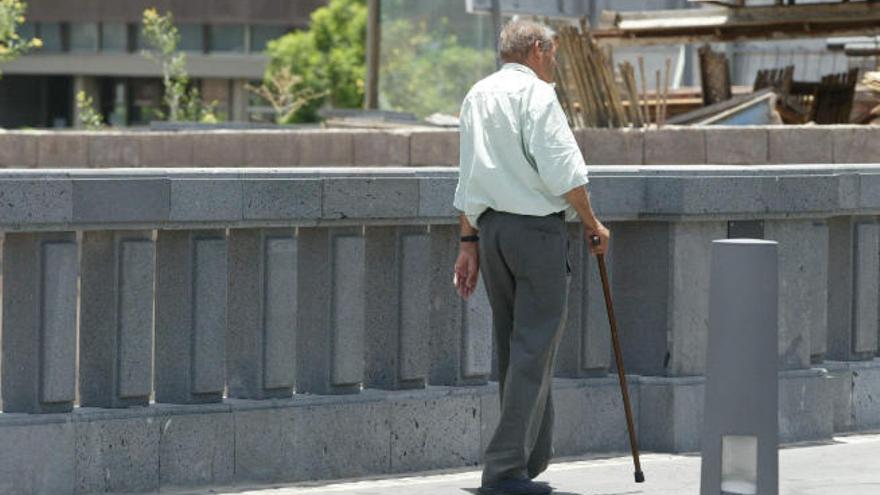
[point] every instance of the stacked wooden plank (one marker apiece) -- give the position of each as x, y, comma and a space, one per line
589, 90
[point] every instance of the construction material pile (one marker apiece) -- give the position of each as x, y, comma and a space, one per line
590, 91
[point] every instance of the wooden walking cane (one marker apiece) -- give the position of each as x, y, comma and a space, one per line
618, 357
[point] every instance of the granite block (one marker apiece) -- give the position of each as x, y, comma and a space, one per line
196, 450
18, 150
324, 147
856, 144
116, 318
435, 433
436, 196
434, 148
675, 146
446, 315
166, 149
116, 456
381, 149
109, 150
397, 266
119, 201
611, 146
63, 150
641, 294
266, 445
807, 144
218, 149
331, 316
190, 316
806, 411
736, 145
370, 198
39, 322
344, 440
270, 149
262, 313
39, 459
671, 413
205, 200
271, 199
36, 201
866, 395
803, 290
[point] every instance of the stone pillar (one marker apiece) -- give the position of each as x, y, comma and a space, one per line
116, 318
39, 322
397, 299
585, 349
331, 310
461, 332
191, 285
803, 290
261, 341
852, 288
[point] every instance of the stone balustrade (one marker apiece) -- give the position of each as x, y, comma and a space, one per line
186, 327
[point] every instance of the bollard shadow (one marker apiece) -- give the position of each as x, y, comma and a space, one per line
474, 491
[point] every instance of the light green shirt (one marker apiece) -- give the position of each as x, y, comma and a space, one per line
518, 153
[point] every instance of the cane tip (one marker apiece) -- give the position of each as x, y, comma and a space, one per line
640, 477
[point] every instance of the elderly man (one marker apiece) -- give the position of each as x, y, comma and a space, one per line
521, 177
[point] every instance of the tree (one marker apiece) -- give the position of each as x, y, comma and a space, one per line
283, 90
86, 114
426, 70
182, 100
329, 57
11, 43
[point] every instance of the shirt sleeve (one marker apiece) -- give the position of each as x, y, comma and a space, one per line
551, 144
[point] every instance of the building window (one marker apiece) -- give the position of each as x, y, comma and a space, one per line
27, 30
83, 37
262, 35
192, 37
50, 34
114, 37
227, 38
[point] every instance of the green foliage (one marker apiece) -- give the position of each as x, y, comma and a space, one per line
182, 100
285, 92
86, 114
427, 70
329, 58
11, 43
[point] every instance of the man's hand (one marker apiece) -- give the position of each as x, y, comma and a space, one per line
467, 267
602, 233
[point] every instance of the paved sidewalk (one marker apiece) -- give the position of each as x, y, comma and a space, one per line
848, 465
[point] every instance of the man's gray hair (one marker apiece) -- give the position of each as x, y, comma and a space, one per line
518, 36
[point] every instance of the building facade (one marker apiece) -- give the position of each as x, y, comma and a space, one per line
96, 46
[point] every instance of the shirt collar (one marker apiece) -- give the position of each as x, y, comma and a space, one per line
525, 69
519, 67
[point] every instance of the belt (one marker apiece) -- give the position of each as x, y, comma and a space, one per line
560, 214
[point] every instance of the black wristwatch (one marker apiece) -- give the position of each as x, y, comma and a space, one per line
470, 238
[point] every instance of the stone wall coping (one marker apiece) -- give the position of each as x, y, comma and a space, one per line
45, 200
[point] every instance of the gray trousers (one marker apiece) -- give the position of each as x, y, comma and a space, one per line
523, 262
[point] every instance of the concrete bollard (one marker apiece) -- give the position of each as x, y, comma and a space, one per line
116, 318
740, 422
190, 316
39, 322
261, 340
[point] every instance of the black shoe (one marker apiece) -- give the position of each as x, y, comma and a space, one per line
515, 487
